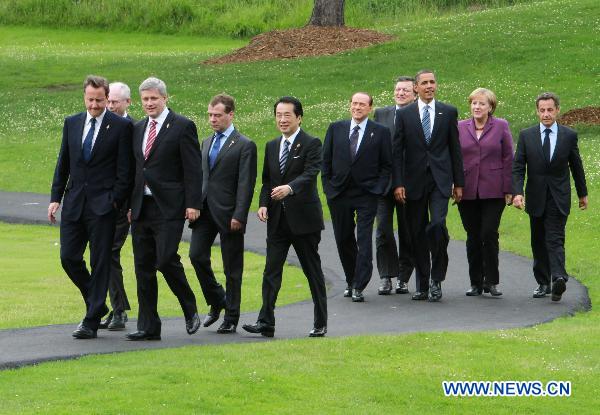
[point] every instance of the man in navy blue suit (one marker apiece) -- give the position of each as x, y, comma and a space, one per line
357, 163
93, 178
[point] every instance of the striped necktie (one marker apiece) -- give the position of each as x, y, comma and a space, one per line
151, 138
284, 155
426, 122
87, 142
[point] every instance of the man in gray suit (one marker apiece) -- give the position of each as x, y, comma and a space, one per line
229, 175
393, 262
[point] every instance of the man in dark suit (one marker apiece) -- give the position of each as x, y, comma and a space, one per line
167, 191
357, 162
548, 154
393, 262
93, 179
290, 205
228, 178
119, 99
428, 169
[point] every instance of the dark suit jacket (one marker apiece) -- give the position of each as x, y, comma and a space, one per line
543, 177
412, 155
385, 116
229, 187
488, 160
104, 180
371, 167
303, 209
173, 170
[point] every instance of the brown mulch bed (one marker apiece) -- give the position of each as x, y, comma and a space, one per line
586, 115
306, 41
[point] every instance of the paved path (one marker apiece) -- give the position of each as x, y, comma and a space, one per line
379, 314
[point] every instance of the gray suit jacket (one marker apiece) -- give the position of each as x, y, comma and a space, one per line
228, 188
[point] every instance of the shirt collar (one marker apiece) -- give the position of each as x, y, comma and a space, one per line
422, 105
363, 124
292, 137
99, 118
227, 131
553, 127
162, 117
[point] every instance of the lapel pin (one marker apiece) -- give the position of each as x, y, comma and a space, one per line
372, 135
108, 126
297, 146
168, 125
232, 143
440, 113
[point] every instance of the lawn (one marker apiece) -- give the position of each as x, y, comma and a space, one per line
516, 51
36, 291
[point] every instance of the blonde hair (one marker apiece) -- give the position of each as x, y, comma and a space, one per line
489, 95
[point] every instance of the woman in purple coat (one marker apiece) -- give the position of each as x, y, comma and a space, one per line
487, 149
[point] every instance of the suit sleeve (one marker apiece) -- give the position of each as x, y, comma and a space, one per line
398, 153
576, 166
192, 166
327, 158
519, 166
312, 162
61, 172
458, 173
265, 190
124, 180
246, 182
385, 160
507, 159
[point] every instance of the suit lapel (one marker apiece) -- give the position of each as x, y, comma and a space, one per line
417, 118
486, 128
537, 143
296, 148
439, 115
560, 139
205, 150
138, 140
471, 129
274, 158
102, 132
164, 130
366, 140
230, 142
78, 128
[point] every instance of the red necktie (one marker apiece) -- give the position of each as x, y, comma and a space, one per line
151, 138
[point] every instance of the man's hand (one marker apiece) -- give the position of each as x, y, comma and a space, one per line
192, 214
400, 194
508, 199
236, 225
457, 194
262, 214
52, 209
519, 202
583, 203
280, 192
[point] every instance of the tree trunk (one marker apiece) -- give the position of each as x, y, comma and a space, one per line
327, 13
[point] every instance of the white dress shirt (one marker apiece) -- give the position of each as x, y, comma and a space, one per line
160, 120
553, 136
88, 125
361, 131
431, 112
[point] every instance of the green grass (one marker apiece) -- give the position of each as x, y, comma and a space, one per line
36, 291
232, 18
518, 52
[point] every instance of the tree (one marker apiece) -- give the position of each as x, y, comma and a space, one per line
327, 13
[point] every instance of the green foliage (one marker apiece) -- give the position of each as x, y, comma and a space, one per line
229, 18
36, 291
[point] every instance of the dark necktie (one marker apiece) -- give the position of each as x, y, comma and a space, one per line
87, 143
426, 122
214, 152
284, 155
354, 141
546, 144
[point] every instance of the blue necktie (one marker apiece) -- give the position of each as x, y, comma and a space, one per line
546, 144
426, 122
284, 155
87, 143
214, 152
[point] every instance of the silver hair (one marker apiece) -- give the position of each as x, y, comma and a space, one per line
154, 83
123, 89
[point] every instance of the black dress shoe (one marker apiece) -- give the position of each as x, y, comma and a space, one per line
385, 288
493, 290
357, 296
420, 295
541, 291
84, 332
193, 324
348, 292
435, 291
212, 316
474, 291
401, 287
118, 321
318, 332
104, 323
261, 328
227, 328
142, 335
559, 286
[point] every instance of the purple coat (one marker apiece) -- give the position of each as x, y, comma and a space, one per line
487, 162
